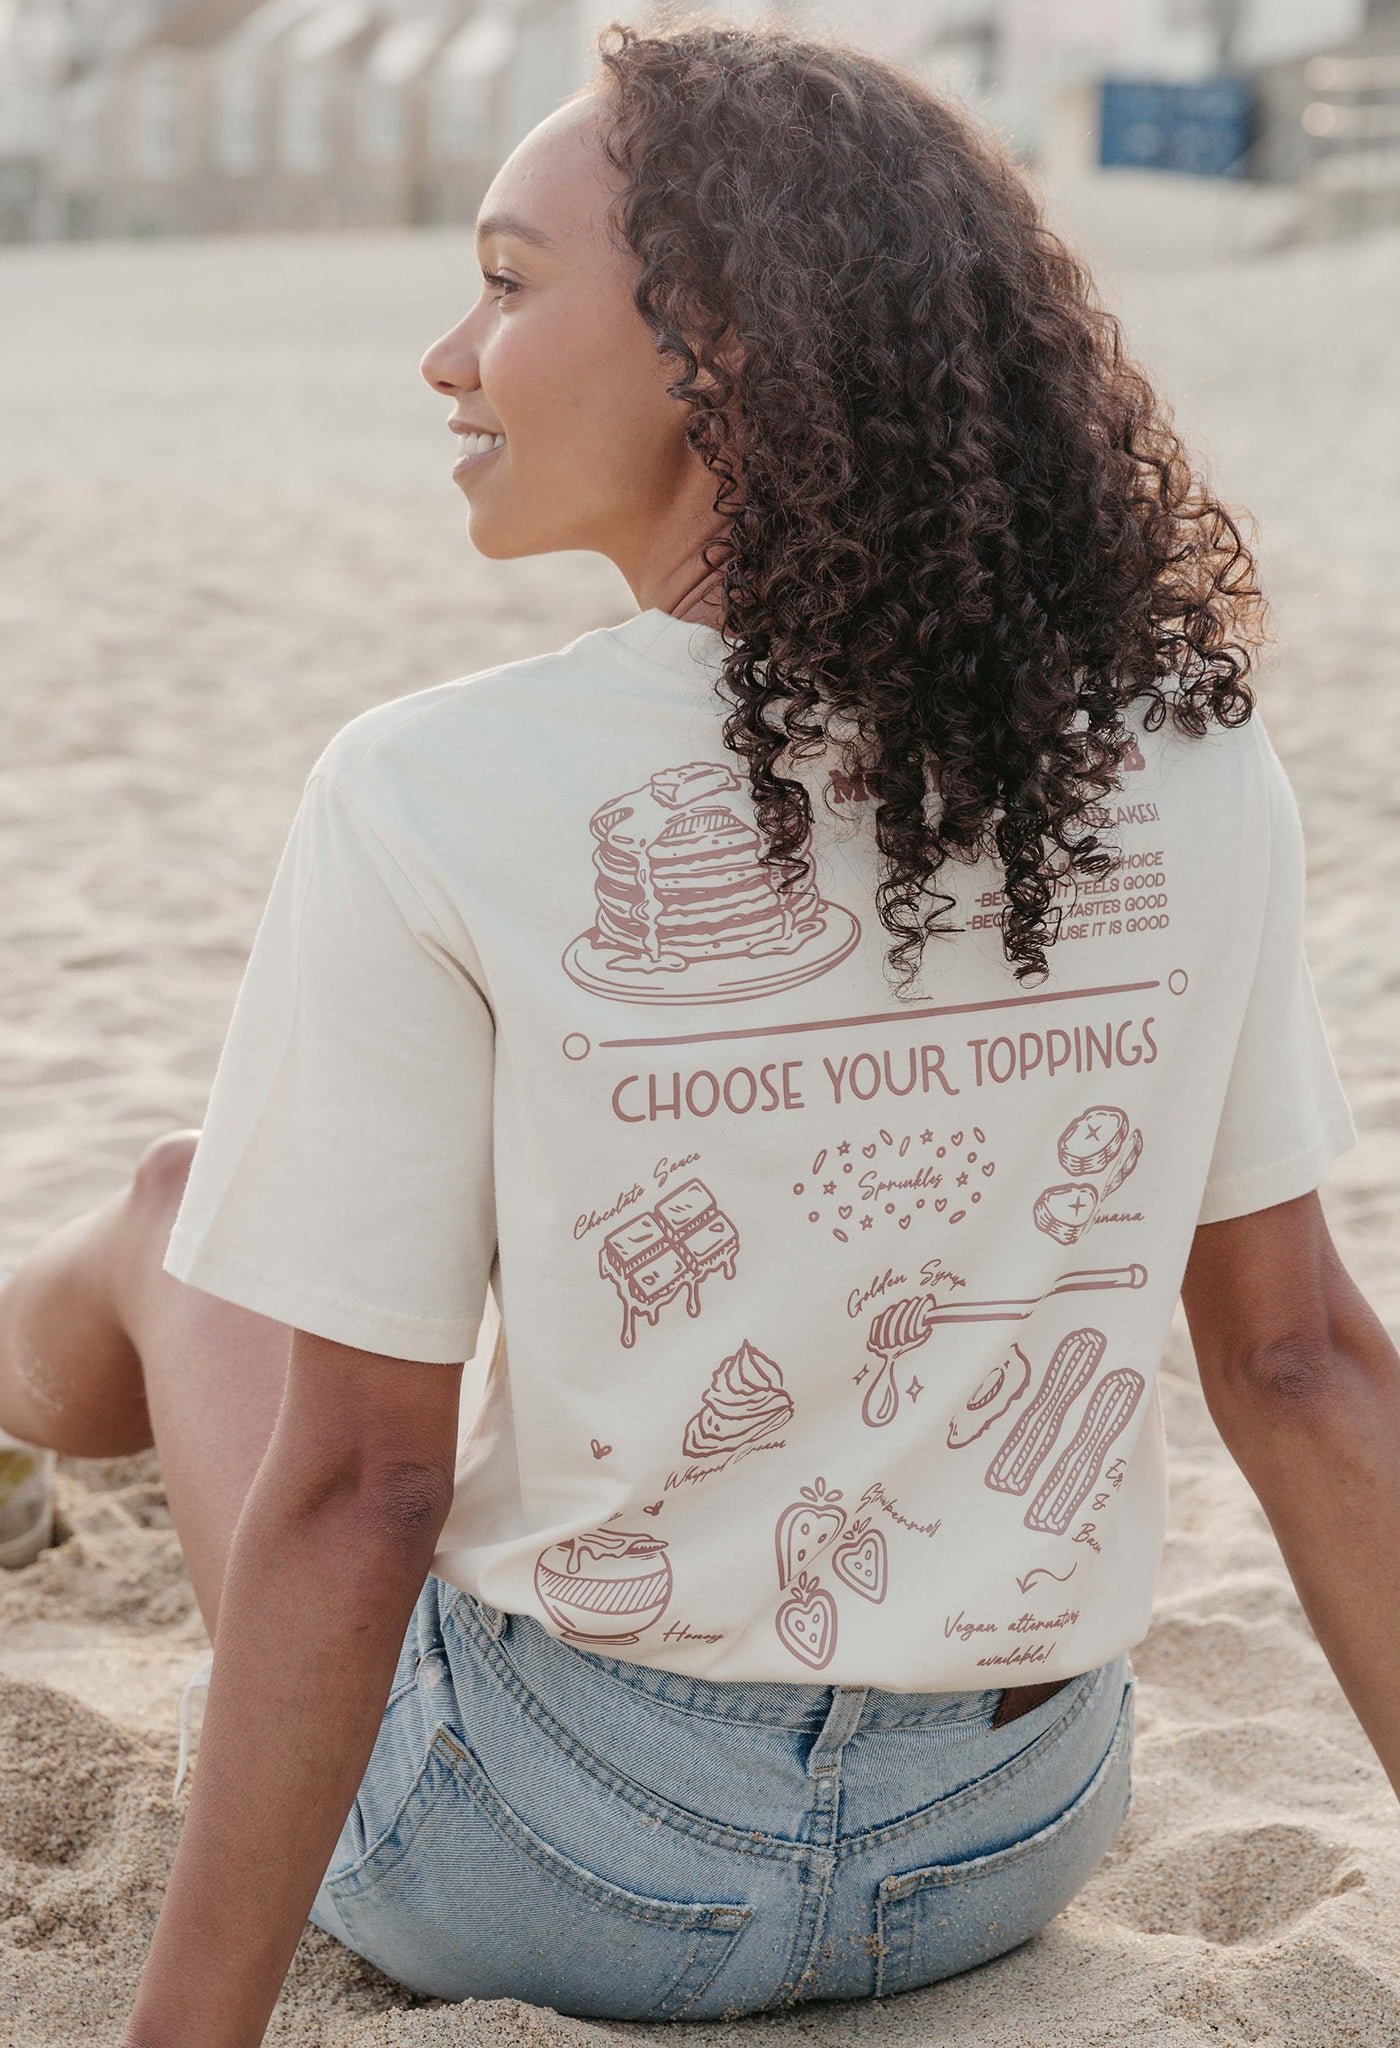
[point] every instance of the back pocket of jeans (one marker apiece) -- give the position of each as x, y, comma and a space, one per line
947, 1917
461, 1898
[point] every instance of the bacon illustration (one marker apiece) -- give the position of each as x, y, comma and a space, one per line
1077, 1468
1034, 1432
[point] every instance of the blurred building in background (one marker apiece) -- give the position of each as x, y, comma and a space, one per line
1331, 121
121, 117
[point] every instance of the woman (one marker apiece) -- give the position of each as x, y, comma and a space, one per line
834, 1014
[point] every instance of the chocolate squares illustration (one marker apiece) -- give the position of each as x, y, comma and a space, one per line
666, 1252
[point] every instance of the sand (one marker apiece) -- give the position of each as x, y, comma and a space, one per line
226, 527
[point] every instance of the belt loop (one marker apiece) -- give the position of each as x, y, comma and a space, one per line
493, 1619
842, 1720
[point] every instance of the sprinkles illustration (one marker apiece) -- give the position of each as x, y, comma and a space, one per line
872, 1182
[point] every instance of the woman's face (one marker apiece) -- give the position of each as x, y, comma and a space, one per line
556, 364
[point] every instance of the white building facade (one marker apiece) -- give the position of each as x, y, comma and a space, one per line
148, 116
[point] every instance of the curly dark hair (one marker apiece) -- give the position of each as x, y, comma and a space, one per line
962, 534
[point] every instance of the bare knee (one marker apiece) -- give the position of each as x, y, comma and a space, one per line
131, 1249
158, 1184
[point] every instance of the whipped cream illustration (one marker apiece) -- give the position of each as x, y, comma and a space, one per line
745, 1401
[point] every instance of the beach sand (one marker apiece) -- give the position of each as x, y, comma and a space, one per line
226, 527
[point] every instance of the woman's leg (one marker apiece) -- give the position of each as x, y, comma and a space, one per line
103, 1353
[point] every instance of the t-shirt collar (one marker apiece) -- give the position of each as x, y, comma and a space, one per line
680, 644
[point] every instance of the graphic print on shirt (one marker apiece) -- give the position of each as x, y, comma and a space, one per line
806, 1622
815, 1527
667, 1252
862, 1560
605, 1586
1098, 1151
1037, 1430
807, 1527
903, 1326
872, 1181
746, 1408
1108, 1484
1076, 1470
686, 911
1075, 1481
994, 1394
1033, 1434
1025, 1580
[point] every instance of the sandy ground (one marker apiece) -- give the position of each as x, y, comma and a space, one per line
225, 528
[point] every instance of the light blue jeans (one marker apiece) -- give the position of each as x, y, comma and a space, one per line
617, 1842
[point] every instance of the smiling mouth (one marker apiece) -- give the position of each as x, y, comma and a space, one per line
475, 449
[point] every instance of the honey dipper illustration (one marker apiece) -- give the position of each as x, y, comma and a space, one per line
904, 1325
901, 1327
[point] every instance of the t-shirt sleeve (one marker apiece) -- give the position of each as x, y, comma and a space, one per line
343, 1179
1285, 1118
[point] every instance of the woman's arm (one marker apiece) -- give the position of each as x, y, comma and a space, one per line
1304, 1387
331, 1551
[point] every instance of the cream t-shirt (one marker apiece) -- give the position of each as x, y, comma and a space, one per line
829, 1324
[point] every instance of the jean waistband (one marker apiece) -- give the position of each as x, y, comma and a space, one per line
768, 1702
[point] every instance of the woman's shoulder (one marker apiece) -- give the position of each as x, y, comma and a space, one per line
1237, 757
495, 709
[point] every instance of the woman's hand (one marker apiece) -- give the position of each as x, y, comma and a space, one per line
1304, 1387
332, 1548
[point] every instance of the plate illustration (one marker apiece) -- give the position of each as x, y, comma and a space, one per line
686, 911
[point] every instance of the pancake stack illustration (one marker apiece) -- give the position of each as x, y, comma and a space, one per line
678, 873
686, 910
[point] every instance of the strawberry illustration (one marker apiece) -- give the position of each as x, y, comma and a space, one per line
806, 1622
862, 1560
806, 1527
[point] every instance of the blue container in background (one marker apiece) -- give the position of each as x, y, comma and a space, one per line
1204, 126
